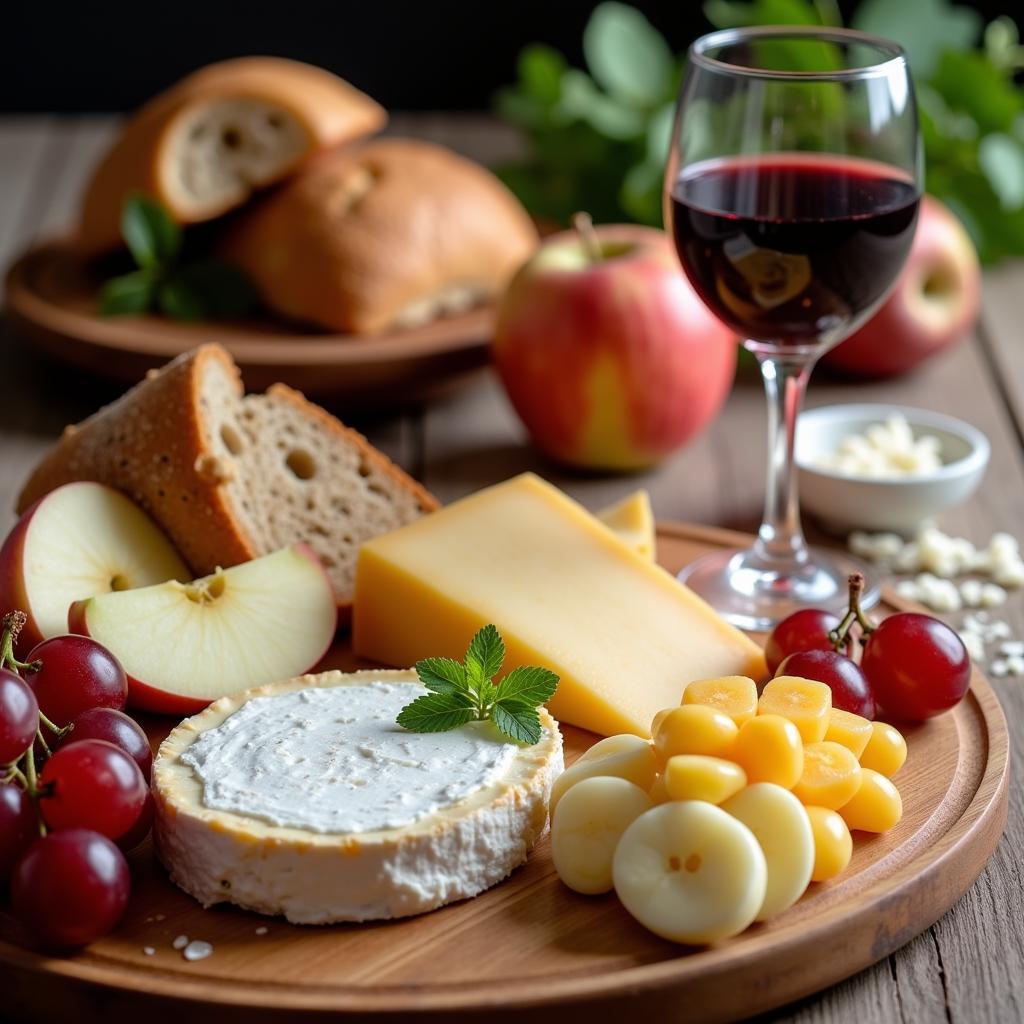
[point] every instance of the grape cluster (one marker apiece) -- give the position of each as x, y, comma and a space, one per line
74, 787
912, 666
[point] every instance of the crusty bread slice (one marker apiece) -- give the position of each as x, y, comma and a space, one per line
232, 477
389, 232
204, 144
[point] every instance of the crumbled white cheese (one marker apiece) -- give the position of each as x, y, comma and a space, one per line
1012, 648
941, 595
992, 595
180, 942
970, 593
149, 950
975, 644
262, 930
197, 950
887, 450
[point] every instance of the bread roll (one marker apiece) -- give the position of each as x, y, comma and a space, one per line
390, 232
230, 478
201, 147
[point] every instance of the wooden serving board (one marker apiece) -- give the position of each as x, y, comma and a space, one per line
531, 946
51, 296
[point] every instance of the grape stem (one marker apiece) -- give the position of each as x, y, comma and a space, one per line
842, 636
13, 623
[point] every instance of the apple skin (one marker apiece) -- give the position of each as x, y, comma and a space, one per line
12, 581
144, 697
141, 696
613, 364
913, 324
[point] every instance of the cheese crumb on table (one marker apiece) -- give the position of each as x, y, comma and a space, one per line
197, 949
149, 950
885, 450
180, 942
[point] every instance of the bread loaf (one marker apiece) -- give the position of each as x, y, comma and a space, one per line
201, 147
229, 477
390, 232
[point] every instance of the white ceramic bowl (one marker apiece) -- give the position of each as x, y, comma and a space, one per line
844, 502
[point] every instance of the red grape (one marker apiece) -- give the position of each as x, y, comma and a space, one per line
70, 887
114, 727
916, 665
92, 784
76, 674
849, 686
805, 630
19, 717
141, 828
19, 826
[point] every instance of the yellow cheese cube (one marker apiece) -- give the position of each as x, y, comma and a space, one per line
633, 521
886, 750
735, 695
697, 777
850, 730
876, 806
833, 844
805, 702
830, 777
624, 636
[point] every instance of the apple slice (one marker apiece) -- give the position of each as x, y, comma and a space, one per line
78, 541
186, 644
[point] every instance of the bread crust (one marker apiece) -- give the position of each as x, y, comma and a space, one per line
156, 445
328, 110
147, 444
361, 235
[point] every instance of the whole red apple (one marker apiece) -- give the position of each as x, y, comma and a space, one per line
933, 305
606, 352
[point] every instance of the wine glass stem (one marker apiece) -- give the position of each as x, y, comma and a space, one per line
780, 538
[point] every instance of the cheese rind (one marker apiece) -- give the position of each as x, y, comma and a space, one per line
624, 636
319, 878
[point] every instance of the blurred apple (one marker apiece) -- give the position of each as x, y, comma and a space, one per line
606, 352
933, 305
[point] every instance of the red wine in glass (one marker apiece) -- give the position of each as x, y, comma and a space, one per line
793, 249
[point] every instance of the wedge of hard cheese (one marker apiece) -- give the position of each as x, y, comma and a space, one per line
565, 592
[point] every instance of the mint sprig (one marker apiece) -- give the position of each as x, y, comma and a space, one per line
202, 289
465, 691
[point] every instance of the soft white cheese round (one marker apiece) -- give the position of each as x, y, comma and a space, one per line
306, 799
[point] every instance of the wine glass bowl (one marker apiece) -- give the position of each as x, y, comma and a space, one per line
792, 189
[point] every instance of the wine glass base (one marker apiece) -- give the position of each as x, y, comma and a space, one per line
754, 595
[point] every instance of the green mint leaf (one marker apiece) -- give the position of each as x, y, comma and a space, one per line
225, 291
180, 301
436, 712
484, 657
442, 675
540, 70
130, 293
628, 56
148, 231
528, 685
517, 720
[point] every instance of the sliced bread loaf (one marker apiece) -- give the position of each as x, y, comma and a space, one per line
231, 477
203, 145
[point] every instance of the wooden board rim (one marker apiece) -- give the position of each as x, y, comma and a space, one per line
76, 335
970, 840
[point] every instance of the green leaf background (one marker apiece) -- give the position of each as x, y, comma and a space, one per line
598, 136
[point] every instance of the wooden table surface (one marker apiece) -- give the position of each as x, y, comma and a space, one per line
968, 967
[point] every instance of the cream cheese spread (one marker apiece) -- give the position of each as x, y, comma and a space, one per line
334, 760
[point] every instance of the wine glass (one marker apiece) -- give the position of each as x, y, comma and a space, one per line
792, 189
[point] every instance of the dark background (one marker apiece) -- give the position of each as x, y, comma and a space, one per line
92, 55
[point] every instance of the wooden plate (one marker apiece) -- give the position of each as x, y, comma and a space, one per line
51, 298
530, 946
